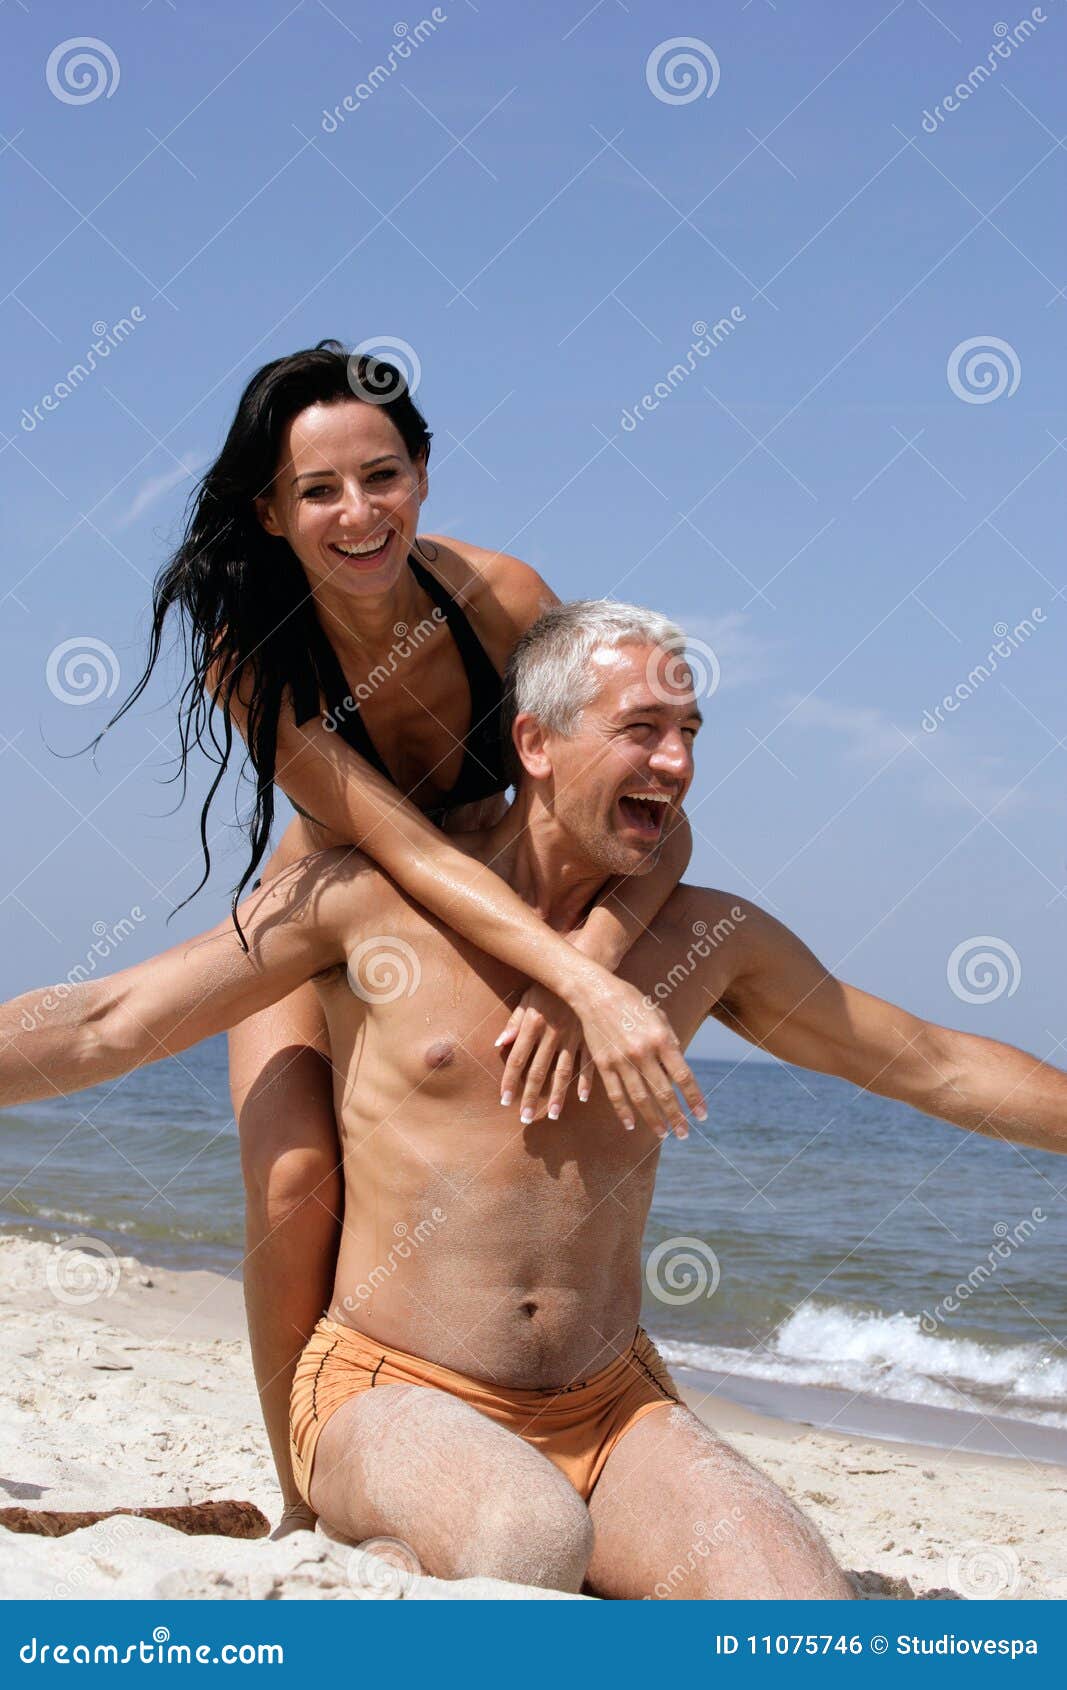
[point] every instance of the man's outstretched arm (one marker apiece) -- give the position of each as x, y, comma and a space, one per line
784, 1000
100, 1029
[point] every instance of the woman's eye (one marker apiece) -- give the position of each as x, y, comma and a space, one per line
313, 492
384, 475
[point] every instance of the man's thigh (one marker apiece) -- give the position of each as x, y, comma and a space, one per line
679, 1513
468, 1496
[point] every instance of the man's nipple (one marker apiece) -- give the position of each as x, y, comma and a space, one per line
440, 1054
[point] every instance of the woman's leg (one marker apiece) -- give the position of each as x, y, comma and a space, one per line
282, 1092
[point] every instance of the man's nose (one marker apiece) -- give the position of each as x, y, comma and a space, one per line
673, 755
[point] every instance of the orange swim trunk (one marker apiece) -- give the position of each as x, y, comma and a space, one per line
576, 1426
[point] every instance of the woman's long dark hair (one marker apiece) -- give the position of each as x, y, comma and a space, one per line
241, 594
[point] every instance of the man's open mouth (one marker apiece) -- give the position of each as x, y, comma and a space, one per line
644, 812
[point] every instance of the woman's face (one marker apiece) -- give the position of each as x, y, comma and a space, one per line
346, 496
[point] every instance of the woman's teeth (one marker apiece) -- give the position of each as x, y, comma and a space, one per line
365, 548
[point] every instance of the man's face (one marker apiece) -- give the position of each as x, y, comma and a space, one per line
620, 778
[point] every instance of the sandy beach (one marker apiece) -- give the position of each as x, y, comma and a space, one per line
132, 1386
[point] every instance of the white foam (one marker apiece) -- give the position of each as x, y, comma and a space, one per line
891, 1356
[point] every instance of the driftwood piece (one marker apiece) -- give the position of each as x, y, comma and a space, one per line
195, 1519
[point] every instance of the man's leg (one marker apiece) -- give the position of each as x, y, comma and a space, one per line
678, 1513
469, 1497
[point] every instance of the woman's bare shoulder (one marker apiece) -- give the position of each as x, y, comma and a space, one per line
494, 586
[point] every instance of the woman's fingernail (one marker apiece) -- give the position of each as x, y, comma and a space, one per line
628, 1124
701, 1114
553, 1113
526, 1117
505, 1098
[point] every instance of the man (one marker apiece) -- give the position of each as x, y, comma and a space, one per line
482, 1391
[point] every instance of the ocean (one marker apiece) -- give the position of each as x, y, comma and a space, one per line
813, 1246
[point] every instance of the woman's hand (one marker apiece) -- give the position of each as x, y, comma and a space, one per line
546, 1039
630, 1043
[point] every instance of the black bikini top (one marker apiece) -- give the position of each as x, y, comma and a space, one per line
482, 772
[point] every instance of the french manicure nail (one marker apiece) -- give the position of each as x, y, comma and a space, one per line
553, 1113
505, 1098
629, 1125
526, 1117
701, 1114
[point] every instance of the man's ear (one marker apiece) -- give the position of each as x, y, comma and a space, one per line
528, 738
265, 514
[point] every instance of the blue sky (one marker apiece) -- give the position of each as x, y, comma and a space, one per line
827, 500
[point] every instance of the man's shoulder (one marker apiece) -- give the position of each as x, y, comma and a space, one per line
337, 887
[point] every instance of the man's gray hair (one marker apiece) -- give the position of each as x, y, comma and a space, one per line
549, 674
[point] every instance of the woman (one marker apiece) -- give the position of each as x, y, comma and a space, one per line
362, 666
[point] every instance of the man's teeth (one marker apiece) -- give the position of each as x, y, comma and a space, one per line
363, 549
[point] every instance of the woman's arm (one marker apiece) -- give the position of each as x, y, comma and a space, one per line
632, 1046
544, 1043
